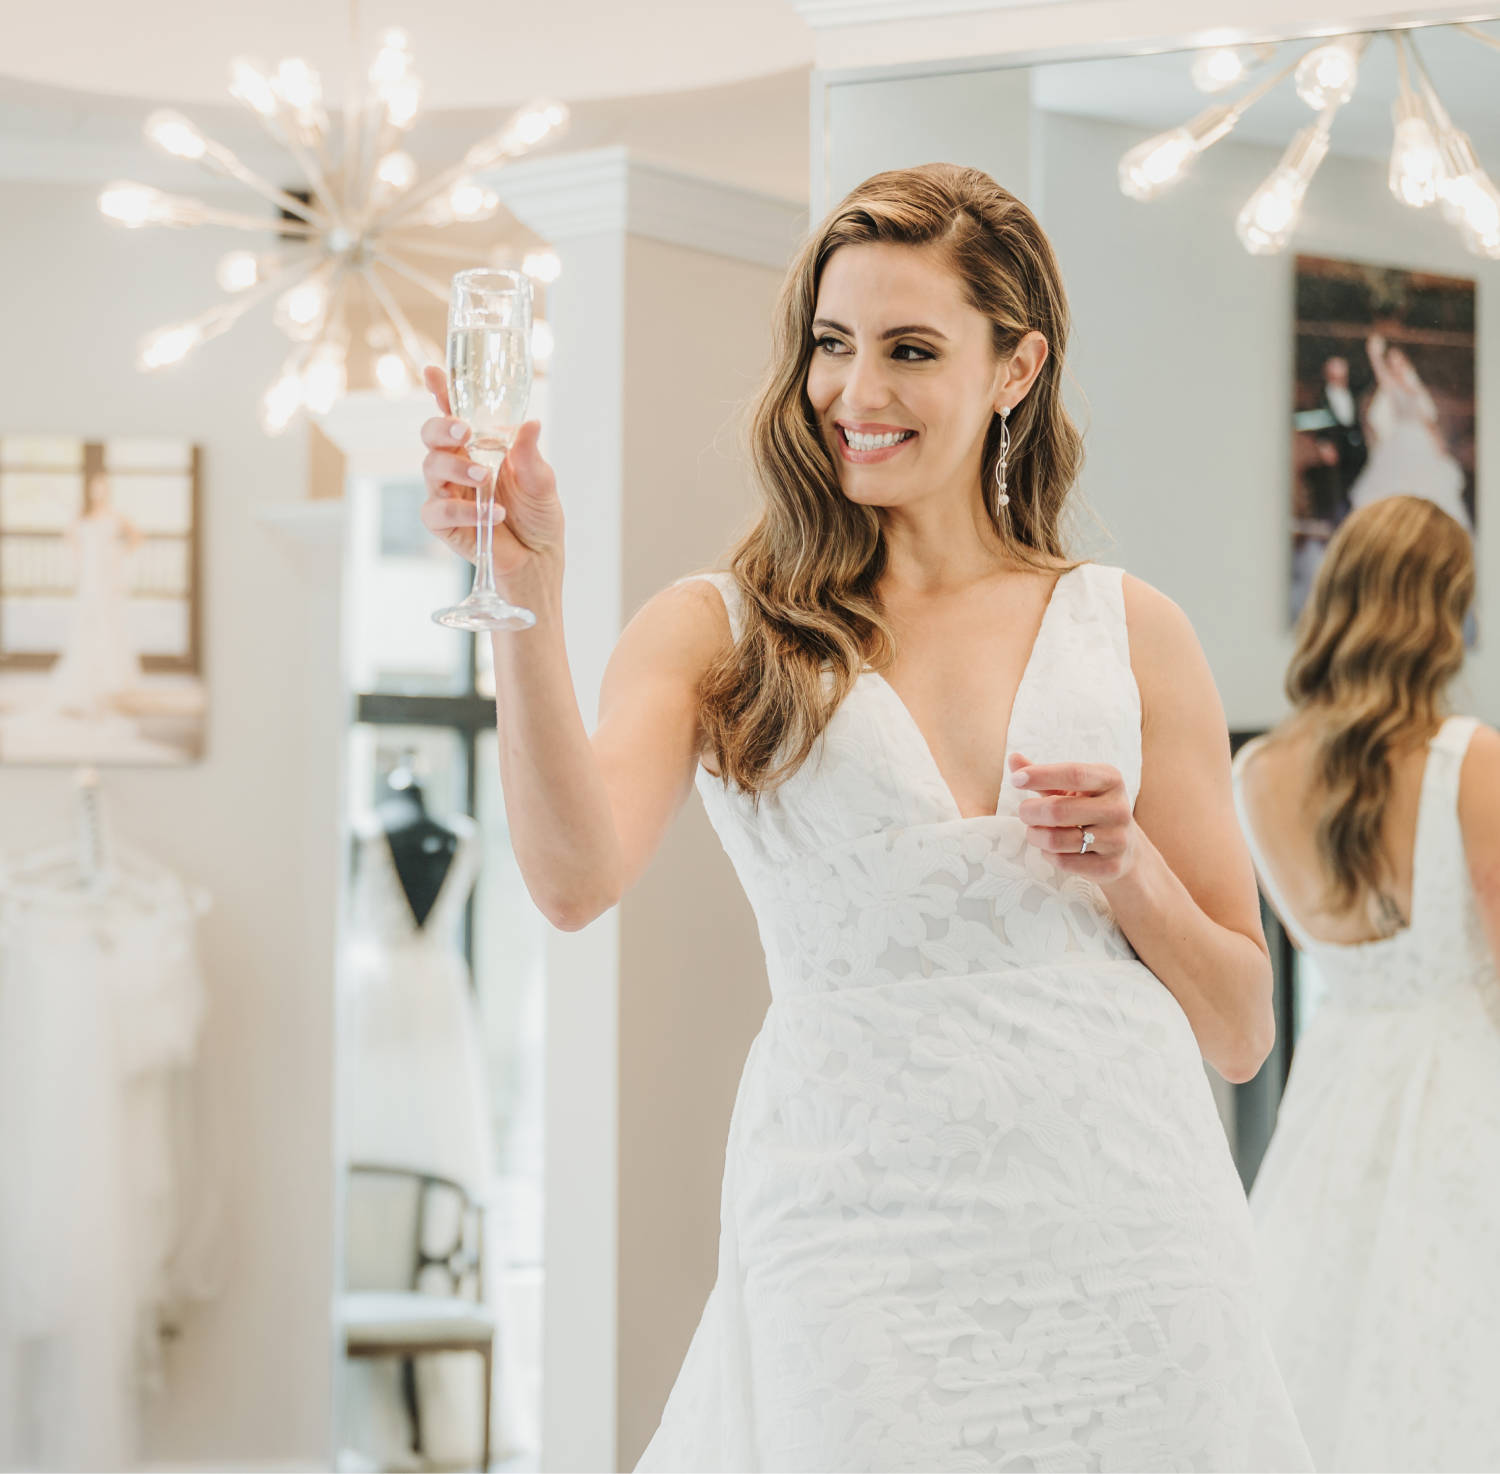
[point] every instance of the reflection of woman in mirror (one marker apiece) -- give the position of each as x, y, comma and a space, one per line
979, 1208
1408, 455
1377, 824
99, 668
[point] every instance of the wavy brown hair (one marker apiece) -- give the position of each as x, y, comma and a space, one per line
1379, 641
808, 568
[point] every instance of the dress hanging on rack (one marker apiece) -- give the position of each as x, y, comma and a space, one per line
101, 1236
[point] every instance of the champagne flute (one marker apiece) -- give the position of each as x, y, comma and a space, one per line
489, 381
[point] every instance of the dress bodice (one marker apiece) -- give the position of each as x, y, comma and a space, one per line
860, 867
379, 910
1443, 954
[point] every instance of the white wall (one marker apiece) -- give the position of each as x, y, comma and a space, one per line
1183, 356
249, 1381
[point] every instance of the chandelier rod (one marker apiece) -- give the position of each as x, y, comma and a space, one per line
412, 274
410, 339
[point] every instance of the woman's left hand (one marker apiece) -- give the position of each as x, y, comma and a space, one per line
1062, 800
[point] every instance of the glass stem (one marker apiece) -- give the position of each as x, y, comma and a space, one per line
484, 573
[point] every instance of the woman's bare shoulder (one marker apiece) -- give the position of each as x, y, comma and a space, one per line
684, 625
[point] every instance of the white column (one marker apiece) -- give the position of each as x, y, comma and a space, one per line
636, 241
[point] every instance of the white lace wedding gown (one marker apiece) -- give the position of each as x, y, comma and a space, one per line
979, 1211
1377, 1205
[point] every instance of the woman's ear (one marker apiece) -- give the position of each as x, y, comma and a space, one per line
1025, 364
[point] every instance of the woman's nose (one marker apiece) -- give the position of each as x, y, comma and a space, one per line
865, 382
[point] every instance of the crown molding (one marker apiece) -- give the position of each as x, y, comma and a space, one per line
614, 191
826, 14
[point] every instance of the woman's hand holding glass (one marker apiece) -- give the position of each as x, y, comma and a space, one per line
528, 525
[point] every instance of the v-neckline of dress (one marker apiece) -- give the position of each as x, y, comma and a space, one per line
925, 747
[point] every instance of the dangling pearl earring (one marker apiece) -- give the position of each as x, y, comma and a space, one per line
1003, 498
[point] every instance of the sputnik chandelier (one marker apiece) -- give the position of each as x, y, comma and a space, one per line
363, 211
1432, 161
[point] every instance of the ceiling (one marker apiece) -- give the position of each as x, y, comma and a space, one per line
476, 54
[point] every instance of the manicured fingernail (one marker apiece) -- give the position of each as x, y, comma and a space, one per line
479, 474
457, 431
1021, 779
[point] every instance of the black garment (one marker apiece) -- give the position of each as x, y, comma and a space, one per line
421, 847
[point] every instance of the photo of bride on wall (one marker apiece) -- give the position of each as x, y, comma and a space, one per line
1383, 399
100, 658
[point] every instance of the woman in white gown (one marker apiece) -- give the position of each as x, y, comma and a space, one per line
99, 666
978, 1210
1407, 454
1376, 823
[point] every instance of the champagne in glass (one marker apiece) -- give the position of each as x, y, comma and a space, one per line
489, 381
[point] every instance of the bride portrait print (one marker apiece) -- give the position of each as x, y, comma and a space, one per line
1383, 400
100, 655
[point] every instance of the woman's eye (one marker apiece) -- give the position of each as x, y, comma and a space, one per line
912, 347
829, 345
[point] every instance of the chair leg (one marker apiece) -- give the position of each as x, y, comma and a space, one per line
413, 1404
488, 1353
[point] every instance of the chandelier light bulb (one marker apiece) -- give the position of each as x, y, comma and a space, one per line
1152, 166
299, 87
392, 61
238, 271
279, 405
471, 201
403, 99
300, 309
133, 205
523, 131
1328, 75
174, 134
1220, 67
1270, 215
542, 266
1416, 168
392, 374
324, 379
168, 346
397, 171
250, 85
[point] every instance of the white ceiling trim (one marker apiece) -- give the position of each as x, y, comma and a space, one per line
1004, 33
825, 13
609, 190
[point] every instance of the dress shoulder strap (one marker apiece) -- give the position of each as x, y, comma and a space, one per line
1439, 867
1257, 855
1103, 589
729, 590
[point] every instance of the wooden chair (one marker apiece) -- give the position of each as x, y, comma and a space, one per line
440, 1305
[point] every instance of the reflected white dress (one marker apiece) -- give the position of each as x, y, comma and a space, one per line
1377, 1205
979, 1211
1406, 456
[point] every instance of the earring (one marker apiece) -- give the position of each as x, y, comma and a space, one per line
1003, 497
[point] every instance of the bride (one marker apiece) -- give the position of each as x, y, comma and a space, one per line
979, 1211
1407, 453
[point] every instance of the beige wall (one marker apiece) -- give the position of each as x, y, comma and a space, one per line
692, 974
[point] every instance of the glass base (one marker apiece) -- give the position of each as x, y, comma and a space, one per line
485, 612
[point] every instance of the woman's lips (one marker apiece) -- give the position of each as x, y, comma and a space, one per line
870, 457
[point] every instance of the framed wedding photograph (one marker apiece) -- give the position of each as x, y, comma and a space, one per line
101, 656
1383, 400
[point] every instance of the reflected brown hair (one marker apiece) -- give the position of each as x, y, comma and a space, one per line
1378, 643
808, 568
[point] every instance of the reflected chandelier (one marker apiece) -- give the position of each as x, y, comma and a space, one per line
1432, 161
354, 216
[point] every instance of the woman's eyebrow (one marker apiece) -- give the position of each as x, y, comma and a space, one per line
901, 332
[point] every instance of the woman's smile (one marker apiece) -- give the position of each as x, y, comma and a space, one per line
864, 444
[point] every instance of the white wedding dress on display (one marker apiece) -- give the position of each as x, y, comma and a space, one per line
1377, 1205
99, 664
979, 1211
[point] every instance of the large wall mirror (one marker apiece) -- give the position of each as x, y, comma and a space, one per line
1280, 255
